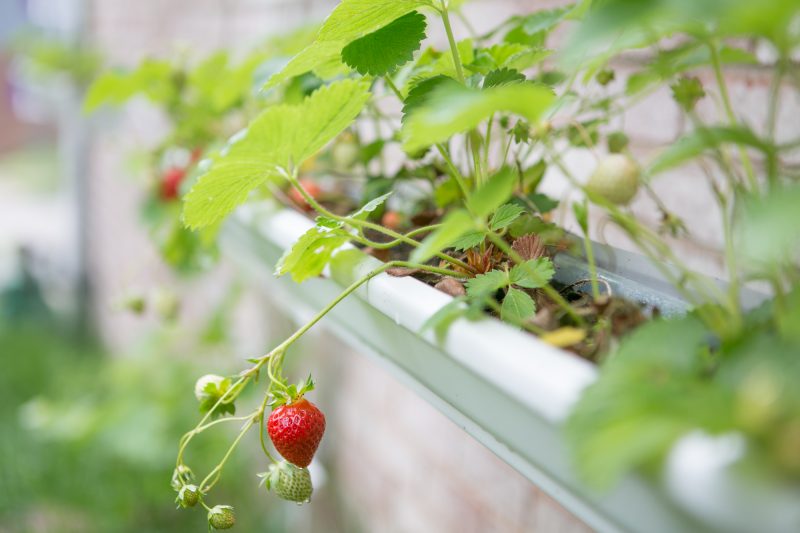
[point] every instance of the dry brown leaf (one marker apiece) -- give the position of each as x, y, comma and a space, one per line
402, 272
451, 286
529, 246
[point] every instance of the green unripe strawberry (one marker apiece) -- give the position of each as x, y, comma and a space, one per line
188, 496
616, 179
290, 482
135, 303
209, 387
167, 305
221, 517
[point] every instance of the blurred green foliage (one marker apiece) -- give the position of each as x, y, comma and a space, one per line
48, 56
88, 441
673, 376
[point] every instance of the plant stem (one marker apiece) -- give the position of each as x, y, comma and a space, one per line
452, 40
345, 293
261, 425
587, 246
391, 244
726, 102
731, 259
227, 395
772, 115
472, 136
488, 141
363, 223
221, 420
394, 88
453, 170
218, 469
774, 99
428, 268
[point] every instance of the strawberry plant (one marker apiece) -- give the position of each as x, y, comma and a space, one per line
480, 124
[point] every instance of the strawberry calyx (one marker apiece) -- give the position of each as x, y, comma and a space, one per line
290, 394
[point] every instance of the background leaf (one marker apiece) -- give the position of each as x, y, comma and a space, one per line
455, 109
698, 141
492, 194
768, 230
152, 78
420, 94
454, 225
650, 392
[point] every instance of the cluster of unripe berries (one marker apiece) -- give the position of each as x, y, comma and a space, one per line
295, 427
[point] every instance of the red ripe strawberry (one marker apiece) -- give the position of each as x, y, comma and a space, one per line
296, 429
171, 182
310, 187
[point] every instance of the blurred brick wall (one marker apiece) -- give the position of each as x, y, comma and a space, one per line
14, 133
378, 468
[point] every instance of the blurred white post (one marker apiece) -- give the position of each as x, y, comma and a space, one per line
68, 20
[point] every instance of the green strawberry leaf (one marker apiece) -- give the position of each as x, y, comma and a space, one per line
382, 51
453, 109
487, 284
420, 93
502, 76
349, 21
504, 216
542, 202
533, 274
311, 59
323, 221
280, 136
370, 207
517, 306
469, 240
312, 252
